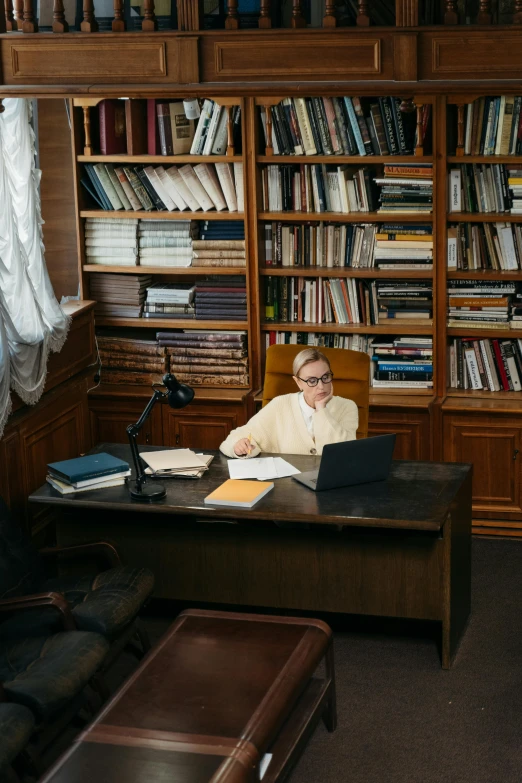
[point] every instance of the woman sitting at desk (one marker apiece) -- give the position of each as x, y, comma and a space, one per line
300, 423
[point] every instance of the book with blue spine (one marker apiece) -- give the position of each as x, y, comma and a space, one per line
405, 367
88, 467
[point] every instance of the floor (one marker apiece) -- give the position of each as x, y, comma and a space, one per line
402, 719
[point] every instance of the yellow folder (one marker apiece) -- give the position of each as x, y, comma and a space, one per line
239, 493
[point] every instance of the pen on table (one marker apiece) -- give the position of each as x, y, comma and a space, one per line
250, 442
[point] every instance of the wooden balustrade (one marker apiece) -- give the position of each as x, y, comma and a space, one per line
517, 15
3, 17
297, 19
18, 14
59, 22
149, 23
29, 23
329, 19
450, 14
118, 23
484, 15
363, 15
232, 19
10, 23
89, 24
265, 18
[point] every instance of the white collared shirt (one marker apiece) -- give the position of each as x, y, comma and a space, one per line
308, 414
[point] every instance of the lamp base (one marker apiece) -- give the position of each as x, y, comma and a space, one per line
149, 493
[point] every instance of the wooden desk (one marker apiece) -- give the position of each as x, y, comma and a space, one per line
398, 548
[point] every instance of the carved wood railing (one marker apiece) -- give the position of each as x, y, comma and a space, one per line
20, 15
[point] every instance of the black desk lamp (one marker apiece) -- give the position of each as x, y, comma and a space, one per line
178, 396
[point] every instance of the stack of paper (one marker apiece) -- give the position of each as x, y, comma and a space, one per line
181, 463
261, 468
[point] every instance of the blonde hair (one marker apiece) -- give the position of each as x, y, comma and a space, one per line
308, 356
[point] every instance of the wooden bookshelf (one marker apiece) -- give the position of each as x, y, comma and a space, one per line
340, 159
293, 326
483, 217
171, 323
339, 271
351, 217
167, 159
185, 271
154, 215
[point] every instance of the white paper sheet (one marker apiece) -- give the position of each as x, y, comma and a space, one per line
261, 468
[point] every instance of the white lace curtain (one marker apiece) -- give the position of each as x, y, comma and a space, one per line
32, 323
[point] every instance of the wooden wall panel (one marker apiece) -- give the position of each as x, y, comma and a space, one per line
314, 56
113, 59
57, 193
453, 55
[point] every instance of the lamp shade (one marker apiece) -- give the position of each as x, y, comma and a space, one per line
178, 394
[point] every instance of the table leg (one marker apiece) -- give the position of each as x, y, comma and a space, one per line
456, 587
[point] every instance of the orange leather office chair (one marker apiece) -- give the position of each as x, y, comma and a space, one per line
351, 371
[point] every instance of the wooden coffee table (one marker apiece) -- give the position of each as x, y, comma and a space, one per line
218, 692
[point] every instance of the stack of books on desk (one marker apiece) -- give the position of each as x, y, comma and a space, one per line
93, 471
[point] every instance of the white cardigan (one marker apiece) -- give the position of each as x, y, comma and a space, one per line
279, 427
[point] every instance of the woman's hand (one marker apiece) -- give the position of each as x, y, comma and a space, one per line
323, 402
243, 447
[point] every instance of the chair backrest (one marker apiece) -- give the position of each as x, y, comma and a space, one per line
20, 564
351, 371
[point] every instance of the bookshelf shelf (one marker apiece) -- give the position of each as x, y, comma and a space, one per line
371, 273
486, 274
152, 214
486, 395
339, 159
484, 333
189, 271
485, 159
293, 326
171, 323
350, 217
481, 217
194, 159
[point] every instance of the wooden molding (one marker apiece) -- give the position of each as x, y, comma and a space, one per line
405, 57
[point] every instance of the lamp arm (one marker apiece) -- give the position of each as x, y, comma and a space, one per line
132, 433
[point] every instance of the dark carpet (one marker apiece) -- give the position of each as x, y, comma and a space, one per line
402, 719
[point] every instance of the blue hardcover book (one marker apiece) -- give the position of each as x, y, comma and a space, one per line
355, 126
405, 367
89, 467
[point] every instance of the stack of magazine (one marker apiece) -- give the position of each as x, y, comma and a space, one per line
176, 463
93, 471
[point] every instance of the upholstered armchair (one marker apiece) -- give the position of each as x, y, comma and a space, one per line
106, 601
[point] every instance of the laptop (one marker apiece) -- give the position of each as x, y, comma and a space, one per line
351, 462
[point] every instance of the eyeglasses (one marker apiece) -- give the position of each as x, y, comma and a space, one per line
326, 378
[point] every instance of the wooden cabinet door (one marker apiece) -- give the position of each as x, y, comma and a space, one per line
110, 417
412, 430
494, 446
199, 428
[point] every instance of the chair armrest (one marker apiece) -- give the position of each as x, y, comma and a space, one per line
36, 600
106, 551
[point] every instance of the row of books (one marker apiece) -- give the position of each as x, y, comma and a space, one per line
347, 300
197, 357
359, 246
493, 126
205, 186
489, 187
156, 126
402, 362
343, 189
495, 246
490, 365
481, 304
207, 359
211, 133
354, 342
343, 126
